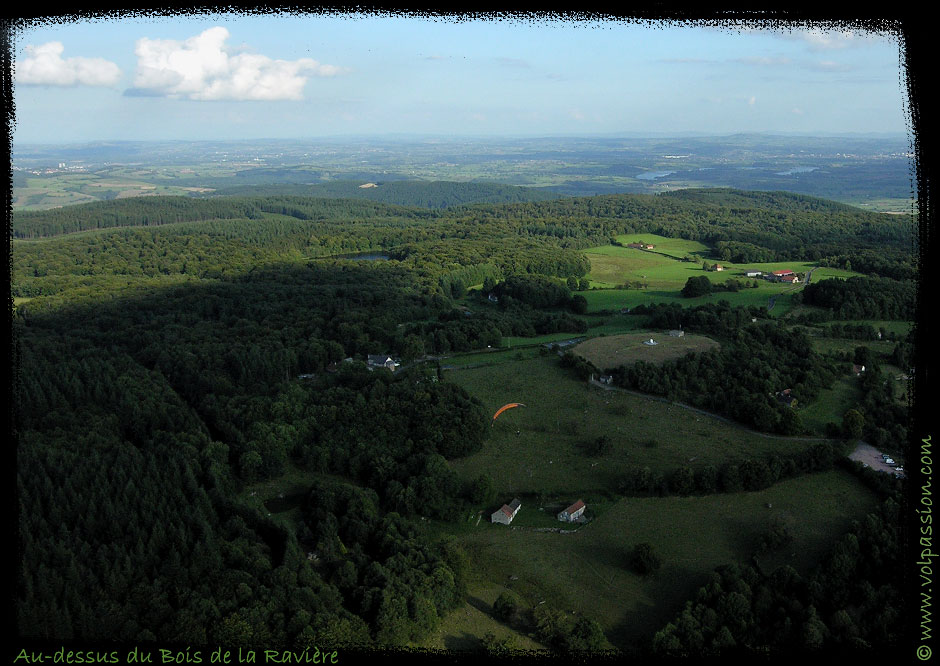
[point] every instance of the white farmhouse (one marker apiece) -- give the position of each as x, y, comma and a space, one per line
573, 512
506, 513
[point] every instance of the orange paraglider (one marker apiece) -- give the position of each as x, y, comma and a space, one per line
504, 408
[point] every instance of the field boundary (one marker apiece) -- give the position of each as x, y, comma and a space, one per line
723, 419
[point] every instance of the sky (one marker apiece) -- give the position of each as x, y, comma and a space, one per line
260, 76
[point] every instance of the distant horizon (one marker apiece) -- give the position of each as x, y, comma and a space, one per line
483, 137
231, 77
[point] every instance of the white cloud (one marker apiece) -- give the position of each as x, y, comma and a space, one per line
827, 40
202, 68
45, 66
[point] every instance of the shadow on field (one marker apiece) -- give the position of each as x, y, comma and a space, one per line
668, 589
480, 605
463, 643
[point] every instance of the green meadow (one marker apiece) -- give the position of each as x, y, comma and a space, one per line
600, 300
537, 449
586, 572
662, 277
675, 247
831, 405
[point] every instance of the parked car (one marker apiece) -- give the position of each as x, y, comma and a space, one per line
890, 461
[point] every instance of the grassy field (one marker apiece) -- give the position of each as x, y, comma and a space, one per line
831, 405
674, 247
43, 192
900, 328
586, 572
664, 276
616, 299
832, 345
536, 449
615, 350
462, 630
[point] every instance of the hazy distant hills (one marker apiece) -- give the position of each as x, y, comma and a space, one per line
436, 194
875, 172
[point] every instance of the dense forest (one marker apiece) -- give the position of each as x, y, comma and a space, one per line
179, 350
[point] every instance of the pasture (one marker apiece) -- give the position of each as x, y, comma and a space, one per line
674, 247
537, 449
616, 350
600, 300
848, 345
831, 405
663, 277
587, 572
462, 630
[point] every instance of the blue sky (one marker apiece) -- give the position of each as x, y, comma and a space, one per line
306, 76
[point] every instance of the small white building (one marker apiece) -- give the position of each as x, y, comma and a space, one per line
381, 361
573, 512
753, 273
506, 513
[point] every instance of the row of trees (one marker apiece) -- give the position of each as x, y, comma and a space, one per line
733, 476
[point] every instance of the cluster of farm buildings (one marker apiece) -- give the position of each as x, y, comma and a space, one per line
507, 512
776, 276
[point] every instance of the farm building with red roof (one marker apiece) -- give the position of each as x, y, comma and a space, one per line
506, 512
573, 512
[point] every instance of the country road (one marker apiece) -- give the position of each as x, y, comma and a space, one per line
773, 299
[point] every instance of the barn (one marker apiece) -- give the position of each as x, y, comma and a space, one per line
506, 513
573, 512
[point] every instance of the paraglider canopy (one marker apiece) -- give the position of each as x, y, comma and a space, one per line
505, 407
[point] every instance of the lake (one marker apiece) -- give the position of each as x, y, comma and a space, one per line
653, 175
790, 172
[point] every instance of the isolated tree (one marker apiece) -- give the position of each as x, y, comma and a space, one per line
599, 446
644, 560
853, 424
586, 635
506, 606
776, 536
697, 286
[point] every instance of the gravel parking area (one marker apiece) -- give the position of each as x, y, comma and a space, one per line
871, 456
